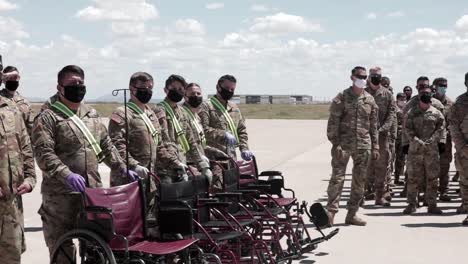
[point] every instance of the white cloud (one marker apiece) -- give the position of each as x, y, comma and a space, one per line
189, 25
282, 23
5, 5
117, 10
371, 16
11, 29
128, 28
213, 6
396, 14
462, 23
259, 8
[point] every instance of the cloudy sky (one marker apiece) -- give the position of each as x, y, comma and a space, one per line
272, 47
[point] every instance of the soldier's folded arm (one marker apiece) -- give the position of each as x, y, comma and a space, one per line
111, 155
43, 140
194, 152
373, 130
211, 133
28, 158
117, 133
334, 120
391, 116
243, 136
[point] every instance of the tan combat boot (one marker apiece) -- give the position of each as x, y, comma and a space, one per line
411, 208
465, 222
353, 219
380, 200
331, 218
433, 209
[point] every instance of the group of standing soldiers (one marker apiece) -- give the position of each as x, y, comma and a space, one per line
381, 134
69, 140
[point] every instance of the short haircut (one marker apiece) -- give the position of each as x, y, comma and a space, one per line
439, 80
407, 88
375, 69
10, 69
190, 85
70, 69
227, 77
401, 95
175, 78
466, 76
422, 78
357, 68
140, 76
386, 78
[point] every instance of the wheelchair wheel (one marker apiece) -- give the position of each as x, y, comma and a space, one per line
82, 247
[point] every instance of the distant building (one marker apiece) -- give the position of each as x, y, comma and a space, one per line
271, 99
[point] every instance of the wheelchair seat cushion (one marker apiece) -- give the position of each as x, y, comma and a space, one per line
218, 237
162, 248
284, 202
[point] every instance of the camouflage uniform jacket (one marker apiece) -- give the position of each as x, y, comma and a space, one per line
428, 125
384, 100
16, 158
399, 122
142, 149
353, 121
412, 104
215, 125
458, 122
23, 105
61, 148
174, 152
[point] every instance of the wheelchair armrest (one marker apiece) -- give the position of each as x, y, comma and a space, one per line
217, 204
271, 173
247, 176
228, 194
169, 203
98, 209
205, 200
248, 191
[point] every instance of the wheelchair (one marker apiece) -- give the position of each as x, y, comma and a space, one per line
111, 229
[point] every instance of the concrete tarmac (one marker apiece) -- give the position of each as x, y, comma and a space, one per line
301, 150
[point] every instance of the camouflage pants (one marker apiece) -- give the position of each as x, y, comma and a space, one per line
400, 160
423, 165
379, 169
335, 186
59, 215
463, 169
11, 233
445, 160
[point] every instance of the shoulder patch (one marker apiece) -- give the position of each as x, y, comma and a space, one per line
337, 99
117, 118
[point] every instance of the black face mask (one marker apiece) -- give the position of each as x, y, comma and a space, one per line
174, 96
74, 93
376, 79
11, 85
225, 94
195, 101
425, 97
143, 95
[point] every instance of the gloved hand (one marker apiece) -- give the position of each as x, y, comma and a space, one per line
141, 171
375, 154
419, 141
24, 188
230, 139
76, 182
441, 148
131, 175
182, 171
405, 149
205, 159
205, 170
246, 155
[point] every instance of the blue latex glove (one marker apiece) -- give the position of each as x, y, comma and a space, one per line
76, 182
131, 175
231, 140
246, 155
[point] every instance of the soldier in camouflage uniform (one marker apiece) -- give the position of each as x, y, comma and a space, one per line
67, 156
181, 143
17, 177
223, 122
447, 155
458, 125
378, 171
400, 157
352, 129
408, 91
425, 129
192, 106
12, 77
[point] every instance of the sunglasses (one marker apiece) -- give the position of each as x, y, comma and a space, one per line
362, 77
